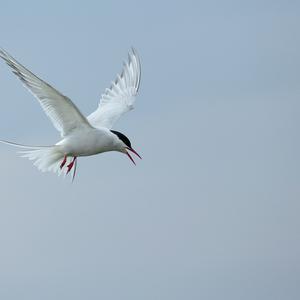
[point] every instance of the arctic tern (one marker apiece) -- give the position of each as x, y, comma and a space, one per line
81, 136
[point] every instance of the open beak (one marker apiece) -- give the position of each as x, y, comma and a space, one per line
130, 157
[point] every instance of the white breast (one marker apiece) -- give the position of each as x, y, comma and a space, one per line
89, 142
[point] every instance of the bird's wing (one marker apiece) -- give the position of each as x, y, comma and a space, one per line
64, 115
120, 97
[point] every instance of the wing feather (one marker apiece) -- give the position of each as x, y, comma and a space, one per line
63, 113
120, 97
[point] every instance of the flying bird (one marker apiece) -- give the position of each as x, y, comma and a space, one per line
80, 135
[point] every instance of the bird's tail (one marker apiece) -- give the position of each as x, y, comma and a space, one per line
46, 158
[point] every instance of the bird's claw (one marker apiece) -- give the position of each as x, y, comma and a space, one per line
63, 162
71, 164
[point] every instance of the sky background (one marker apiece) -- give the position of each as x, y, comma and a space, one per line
212, 210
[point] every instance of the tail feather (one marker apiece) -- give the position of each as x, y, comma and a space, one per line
23, 146
46, 158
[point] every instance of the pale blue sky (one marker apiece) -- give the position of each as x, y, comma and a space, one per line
212, 210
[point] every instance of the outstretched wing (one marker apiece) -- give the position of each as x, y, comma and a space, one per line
64, 115
119, 98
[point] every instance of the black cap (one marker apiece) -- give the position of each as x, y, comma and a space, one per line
122, 137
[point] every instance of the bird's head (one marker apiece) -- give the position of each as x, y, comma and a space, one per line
125, 145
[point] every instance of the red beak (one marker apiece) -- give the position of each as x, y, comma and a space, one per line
132, 150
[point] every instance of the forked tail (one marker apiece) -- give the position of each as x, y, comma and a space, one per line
46, 158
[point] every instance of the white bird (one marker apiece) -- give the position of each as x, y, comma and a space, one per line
81, 136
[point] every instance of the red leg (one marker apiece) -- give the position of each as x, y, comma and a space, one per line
74, 172
71, 164
63, 162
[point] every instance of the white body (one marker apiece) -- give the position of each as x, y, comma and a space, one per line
81, 136
88, 142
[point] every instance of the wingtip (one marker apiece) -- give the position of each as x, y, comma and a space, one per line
134, 56
3, 53
134, 52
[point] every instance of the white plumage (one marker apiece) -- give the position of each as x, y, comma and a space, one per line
120, 97
64, 115
81, 136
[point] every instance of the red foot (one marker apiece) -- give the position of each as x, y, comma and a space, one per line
63, 162
71, 164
